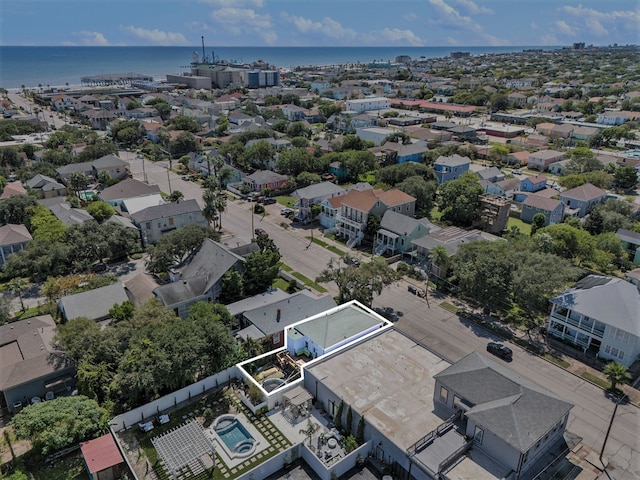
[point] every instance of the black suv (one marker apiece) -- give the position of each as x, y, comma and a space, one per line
500, 350
268, 201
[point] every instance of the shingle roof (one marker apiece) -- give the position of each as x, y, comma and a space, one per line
11, 234
403, 224
94, 304
166, 210
543, 203
27, 351
274, 317
395, 197
584, 192
612, 301
362, 201
68, 215
513, 408
205, 269
128, 188
75, 167
109, 161
452, 161
101, 453
318, 189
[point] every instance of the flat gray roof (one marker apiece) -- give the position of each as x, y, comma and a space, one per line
389, 379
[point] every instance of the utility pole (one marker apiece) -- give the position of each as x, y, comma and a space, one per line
606, 437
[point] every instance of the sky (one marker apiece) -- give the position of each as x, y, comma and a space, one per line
319, 22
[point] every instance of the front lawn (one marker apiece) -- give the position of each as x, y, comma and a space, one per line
524, 228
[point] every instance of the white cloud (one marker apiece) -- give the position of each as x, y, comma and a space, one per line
602, 23
494, 41
449, 17
157, 37
410, 17
533, 25
396, 35
244, 21
327, 26
473, 9
92, 38
566, 29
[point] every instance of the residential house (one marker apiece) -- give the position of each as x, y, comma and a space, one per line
30, 363
491, 174
160, 219
46, 187
505, 188
293, 113
541, 159
141, 112
517, 158
464, 133
127, 188
267, 323
63, 102
367, 104
553, 210
392, 153
11, 189
114, 166
564, 131
507, 417
338, 170
533, 183
631, 242
581, 200
98, 118
69, 215
583, 134
133, 205
83, 168
13, 238
614, 118
377, 135
450, 168
397, 232
558, 168
93, 304
450, 238
357, 205
313, 195
200, 279
102, 458
600, 315
265, 180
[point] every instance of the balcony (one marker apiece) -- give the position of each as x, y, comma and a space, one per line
589, 327
340, 219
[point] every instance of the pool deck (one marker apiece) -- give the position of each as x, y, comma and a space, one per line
221, 449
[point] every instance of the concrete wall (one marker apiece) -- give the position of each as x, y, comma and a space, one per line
151, 409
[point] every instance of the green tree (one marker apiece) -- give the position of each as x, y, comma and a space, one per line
422, 190
17, 286
15, 209
459, 200
183, 144
44, 225
310, 430
625, 177
349, 425
100, 211
259, 155
175, 196
174, 247
616, 374
123, 311
359, 283
77, 182
360, 431
439, 257
260, 271
567, 242
232, 288
338, 418
538, 221
59, 423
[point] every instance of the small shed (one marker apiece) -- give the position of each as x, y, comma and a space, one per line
102, 458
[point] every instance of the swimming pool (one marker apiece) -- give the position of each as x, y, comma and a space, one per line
234, 436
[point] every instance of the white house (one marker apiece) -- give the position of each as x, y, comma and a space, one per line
367, 104
599, 314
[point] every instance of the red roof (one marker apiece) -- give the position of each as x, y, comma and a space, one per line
101, 453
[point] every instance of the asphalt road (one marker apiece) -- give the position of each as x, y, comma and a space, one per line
453, 338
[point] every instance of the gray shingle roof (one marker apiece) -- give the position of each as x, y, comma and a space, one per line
27, 351
94, 304
11, 234
403, 224
319, 189
166, 210
109, 161
296, 307
128, 188
515, 409
612, 301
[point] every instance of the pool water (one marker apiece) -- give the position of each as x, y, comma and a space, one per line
234, 436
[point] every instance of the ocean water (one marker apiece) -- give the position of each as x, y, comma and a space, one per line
58, 66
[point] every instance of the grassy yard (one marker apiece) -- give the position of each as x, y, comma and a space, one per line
522, 226
595, 379
449, 307
556, 360
309, 283
286, 201
331, 248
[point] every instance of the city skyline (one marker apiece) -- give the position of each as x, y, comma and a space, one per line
314, 23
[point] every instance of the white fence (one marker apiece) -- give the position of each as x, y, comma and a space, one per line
151, 409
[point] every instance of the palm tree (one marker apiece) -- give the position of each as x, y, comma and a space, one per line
310, 430
17, 286
439, 256
221, 206
616, 374
209, 211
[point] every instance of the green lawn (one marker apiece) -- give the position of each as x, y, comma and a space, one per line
595, 379
309, 283
556, 360
286, 201
522, 226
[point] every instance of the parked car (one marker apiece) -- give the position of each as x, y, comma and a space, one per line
516, 171
260, 231
499, 350
269, 201
99, 267
286, 211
